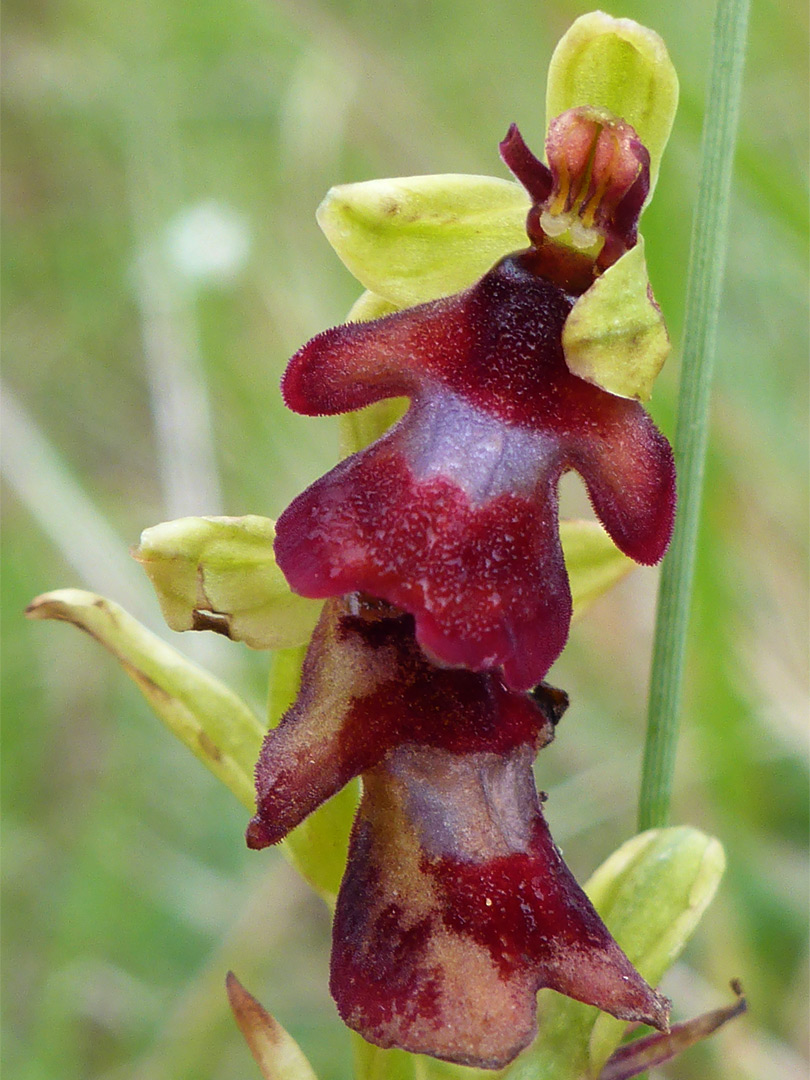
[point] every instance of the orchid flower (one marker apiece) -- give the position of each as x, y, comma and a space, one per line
452, 514
518, 320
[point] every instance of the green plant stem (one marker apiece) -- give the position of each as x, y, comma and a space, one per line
704, 285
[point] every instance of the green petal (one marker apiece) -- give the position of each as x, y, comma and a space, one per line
277, 1054
212, 721
416, 238
616, 64
615, 335
593, 562
651, 894
220, 574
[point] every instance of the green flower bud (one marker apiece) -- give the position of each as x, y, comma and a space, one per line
651, 894
220, 574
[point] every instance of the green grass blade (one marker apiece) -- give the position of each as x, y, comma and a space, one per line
704, 285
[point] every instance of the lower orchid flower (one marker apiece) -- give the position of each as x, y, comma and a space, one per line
456, 906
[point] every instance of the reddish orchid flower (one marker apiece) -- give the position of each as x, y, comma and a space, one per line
456, 906
452, 515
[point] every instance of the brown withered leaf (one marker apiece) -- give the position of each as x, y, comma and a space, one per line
634, 1058
277, 1054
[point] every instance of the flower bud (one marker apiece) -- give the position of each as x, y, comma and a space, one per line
651, 893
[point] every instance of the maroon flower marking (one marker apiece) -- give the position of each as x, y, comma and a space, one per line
452, 515
456, 906
366, 687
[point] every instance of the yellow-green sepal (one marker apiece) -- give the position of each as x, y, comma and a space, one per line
220, 573
619, 65
362, 427
615, 335
416, 238
202, 712
593, 561
651, 894
373, 1063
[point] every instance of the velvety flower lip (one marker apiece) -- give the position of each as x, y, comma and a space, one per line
456, 906
447, 925
452, 515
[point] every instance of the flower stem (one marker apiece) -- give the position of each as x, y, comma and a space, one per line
704, 285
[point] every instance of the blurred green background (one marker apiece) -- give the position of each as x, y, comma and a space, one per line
140, 384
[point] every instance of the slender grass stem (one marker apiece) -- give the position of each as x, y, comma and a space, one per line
704, 285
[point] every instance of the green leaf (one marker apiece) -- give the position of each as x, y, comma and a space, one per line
219, 573
277, 1054
618, 65
416, 238
204, 714
593, 561
651, 894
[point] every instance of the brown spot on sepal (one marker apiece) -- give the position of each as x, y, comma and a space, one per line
211, 620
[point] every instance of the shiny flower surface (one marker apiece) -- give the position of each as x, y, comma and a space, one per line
452, 515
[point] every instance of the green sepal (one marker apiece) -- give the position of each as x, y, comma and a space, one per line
319, 847
210, 719
615, 335
277, 1054
416, 238
619, 65
593, 561
219, 573
370, 306
651, 894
